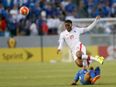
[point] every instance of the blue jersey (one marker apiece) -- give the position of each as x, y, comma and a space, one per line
81, 75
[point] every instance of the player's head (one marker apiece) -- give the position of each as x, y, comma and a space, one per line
68, 25
91, 68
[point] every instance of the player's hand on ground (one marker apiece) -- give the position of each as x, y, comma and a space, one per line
98, 17
58, 51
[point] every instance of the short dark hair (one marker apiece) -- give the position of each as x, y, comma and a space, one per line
68, 21
91, 68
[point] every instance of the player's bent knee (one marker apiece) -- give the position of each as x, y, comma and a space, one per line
79, 62
87, 76
79, 54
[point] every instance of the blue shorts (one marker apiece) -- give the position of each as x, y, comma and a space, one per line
82, 81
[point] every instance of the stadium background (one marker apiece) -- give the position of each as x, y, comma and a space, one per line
36, 37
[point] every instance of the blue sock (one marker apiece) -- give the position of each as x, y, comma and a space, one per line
97, 71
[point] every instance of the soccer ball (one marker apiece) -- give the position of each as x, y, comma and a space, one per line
24, 10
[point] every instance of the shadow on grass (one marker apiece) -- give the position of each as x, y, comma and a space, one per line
108, 83
98, 84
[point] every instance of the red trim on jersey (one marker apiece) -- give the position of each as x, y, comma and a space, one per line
88, 59
80, 46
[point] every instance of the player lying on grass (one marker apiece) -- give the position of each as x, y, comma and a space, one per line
87, 77
71, 36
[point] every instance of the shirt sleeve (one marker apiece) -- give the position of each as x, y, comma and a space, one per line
90, 27
61, 41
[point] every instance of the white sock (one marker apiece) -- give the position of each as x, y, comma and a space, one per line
85, 57
93, 58
85, 63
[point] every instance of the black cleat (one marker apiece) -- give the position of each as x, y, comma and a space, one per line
73, 83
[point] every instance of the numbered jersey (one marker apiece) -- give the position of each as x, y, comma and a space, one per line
71, 38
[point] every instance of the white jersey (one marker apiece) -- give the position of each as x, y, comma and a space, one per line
72, 38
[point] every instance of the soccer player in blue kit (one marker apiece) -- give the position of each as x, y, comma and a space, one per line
87, 77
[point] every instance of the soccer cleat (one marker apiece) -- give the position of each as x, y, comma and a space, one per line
95, 79
73, 83
100, 59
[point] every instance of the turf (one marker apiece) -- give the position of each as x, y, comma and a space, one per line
51, 75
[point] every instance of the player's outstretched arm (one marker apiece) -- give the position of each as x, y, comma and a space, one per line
91, 26
60, 46
61, 41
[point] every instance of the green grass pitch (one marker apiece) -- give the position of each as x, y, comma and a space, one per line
51, 75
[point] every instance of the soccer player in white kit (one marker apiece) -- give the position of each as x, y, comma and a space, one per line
71, 36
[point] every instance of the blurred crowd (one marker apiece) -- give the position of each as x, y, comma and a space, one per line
46, 15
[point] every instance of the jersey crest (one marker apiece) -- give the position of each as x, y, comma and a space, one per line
71, 36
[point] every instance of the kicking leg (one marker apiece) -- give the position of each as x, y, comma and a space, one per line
96, 58
79, 61
85, 60
83, 55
